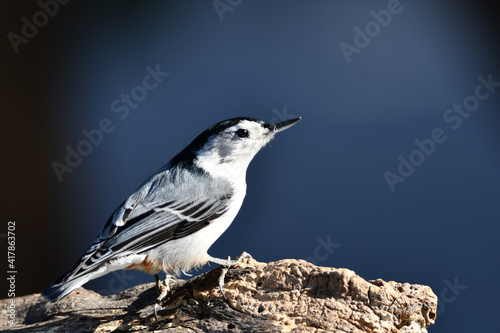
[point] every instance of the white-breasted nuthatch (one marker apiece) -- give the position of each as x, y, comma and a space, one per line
171, 221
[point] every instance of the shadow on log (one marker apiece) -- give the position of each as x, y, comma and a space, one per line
283, 296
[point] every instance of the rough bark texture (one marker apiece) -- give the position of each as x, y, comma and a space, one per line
282, 296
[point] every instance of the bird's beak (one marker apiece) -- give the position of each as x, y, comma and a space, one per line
281, 126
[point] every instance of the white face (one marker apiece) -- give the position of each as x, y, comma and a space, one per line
229, 153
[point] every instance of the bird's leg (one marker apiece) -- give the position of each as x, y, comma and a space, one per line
163, 287
226, 265
158, 282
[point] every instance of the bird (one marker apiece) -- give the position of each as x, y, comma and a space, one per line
169, 223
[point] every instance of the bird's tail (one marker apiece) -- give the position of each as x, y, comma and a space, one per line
62, 287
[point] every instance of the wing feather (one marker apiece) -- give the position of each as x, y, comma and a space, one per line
154, 215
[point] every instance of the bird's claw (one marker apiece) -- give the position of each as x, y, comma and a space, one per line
226, 265
156, 312
221, 281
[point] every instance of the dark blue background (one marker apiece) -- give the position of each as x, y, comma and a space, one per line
320, 182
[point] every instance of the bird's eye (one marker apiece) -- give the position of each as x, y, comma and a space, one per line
242, 133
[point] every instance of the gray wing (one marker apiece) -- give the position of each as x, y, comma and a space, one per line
167, 221
170, 205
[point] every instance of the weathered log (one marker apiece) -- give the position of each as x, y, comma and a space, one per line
283, 296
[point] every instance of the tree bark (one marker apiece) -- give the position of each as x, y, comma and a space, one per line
283, 296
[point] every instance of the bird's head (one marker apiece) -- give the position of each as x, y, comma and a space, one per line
226, 148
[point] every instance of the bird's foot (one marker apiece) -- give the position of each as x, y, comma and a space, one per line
163, 287
226, 265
